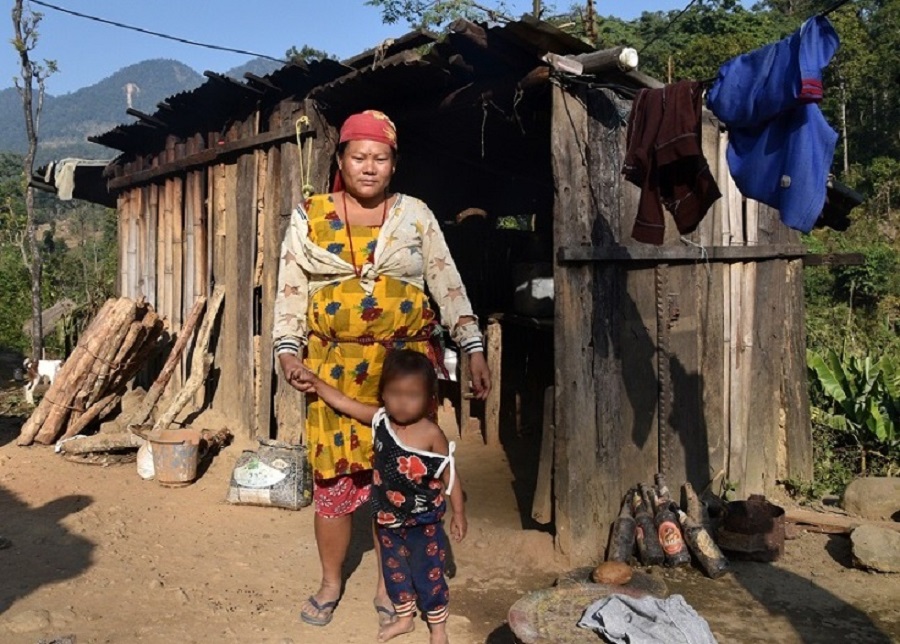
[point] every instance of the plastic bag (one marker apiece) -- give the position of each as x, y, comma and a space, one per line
277, 475
145, 462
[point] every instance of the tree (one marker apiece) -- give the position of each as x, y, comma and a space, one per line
25, 25
306, 54
426, 14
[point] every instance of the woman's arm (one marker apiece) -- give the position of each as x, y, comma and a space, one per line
446, 286
292, 297
334, 398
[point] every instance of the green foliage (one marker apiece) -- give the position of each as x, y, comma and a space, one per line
306, 54
78, 247
435, 13
858, 399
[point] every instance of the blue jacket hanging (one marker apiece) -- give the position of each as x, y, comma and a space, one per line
780, 145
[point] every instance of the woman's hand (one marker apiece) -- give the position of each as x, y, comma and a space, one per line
459, 526
294, 372
480, 375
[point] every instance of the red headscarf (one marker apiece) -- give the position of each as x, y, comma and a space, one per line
370, 125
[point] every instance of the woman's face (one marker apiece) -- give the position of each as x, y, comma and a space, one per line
367, 168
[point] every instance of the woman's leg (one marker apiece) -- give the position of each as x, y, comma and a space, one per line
333, 542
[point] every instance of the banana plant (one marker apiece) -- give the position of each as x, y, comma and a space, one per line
861, 396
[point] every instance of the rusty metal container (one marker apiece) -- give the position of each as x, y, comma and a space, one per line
176, 453
753, 530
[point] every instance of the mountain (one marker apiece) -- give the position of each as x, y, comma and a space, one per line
69, 119
258, 66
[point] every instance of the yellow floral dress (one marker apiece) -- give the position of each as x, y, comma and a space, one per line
343, 311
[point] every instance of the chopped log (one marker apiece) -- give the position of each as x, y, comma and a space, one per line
96, 378
94, 412
156, 390
622, 58
102, 443
64, 396
33, 425
200, 365
832, 523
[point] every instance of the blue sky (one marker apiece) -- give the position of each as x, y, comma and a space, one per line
88, 52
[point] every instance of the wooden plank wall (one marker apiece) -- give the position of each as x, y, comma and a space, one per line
737, 407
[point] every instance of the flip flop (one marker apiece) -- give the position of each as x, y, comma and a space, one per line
389, 613
320, 608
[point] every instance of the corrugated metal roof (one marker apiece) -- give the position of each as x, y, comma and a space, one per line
414, 66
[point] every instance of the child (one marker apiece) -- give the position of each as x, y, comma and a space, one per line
413, 471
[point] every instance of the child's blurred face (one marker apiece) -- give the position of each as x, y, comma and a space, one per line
406, 398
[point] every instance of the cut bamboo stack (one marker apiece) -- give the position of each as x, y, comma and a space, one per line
91, 381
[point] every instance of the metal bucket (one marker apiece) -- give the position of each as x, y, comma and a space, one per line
176, 453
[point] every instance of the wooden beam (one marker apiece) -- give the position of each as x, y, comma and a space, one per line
262, 82
227, 80
146, 118
671, 254
205, 157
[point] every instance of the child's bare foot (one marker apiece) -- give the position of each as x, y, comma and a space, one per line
439, 633
402, 626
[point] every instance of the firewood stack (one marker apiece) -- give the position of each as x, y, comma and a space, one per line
90, 383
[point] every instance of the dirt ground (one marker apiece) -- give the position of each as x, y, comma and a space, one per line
98, 553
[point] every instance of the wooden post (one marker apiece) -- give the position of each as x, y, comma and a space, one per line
270, 255
465, 398
495, 364
581, 467
236, 384
542, 505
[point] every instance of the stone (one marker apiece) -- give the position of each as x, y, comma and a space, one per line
874, 497
29, 621
876, 548
614, 573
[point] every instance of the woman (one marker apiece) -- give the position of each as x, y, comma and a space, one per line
351, 286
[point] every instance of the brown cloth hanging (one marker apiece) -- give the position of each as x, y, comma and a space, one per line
665, 160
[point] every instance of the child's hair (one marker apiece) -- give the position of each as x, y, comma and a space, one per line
405, 362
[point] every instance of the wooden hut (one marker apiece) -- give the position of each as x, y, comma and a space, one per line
687, 358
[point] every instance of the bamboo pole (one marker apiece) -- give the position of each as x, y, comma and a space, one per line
723, 180
201, 281
177, 251
122, 224
154, 249
134, 206
738, 447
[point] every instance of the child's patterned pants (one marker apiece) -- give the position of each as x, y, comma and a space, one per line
413, 563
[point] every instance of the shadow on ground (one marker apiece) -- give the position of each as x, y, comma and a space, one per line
40, 550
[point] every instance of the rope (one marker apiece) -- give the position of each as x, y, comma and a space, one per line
305, 170
183, 41
704, 255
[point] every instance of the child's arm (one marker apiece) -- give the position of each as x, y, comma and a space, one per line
334, 398
459, 525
